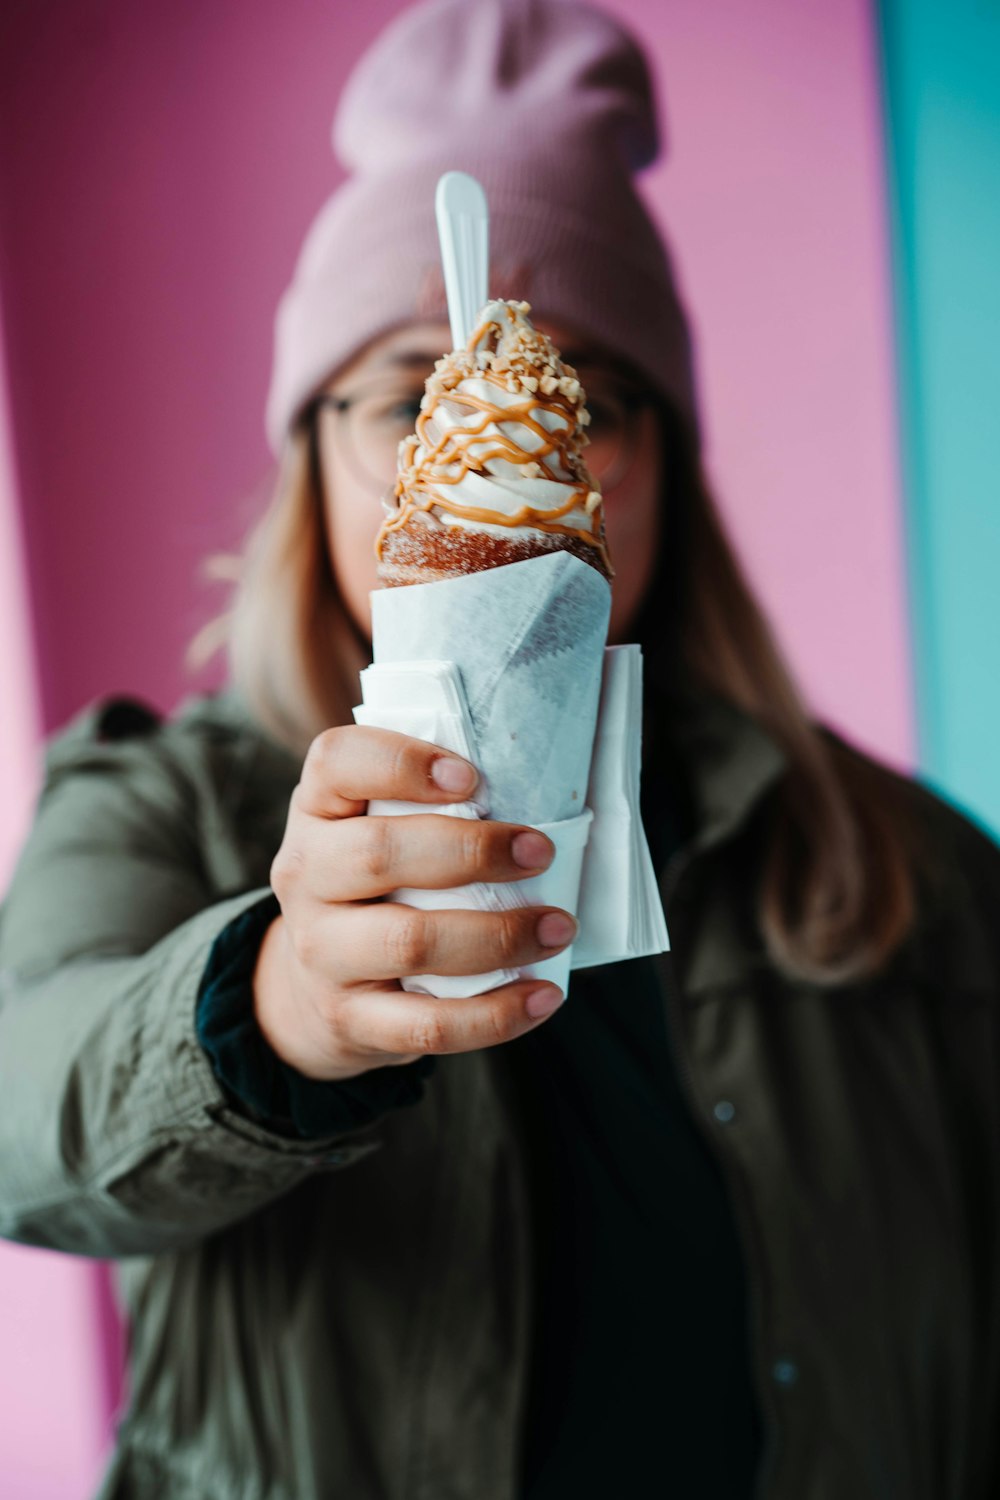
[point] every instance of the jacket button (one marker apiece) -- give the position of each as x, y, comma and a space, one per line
724, 1111
785, 1371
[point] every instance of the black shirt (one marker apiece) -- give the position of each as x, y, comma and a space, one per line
640, 1376
639, 1381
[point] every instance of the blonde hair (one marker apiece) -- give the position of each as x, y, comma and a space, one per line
836, 894
837, 891
293, 650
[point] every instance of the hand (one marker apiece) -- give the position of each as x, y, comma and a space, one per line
326, 987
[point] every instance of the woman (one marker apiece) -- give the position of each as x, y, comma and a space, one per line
725, 1222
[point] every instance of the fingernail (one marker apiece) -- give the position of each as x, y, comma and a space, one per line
532, 851
452, 775
556, 929
543, 1002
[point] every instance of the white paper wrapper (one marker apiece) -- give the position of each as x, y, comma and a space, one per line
526, 645
602, 871
528, 641
426, 699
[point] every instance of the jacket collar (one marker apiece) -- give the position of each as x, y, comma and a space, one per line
724, 760
727, 758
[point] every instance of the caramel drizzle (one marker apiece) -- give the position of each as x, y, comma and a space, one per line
416, 486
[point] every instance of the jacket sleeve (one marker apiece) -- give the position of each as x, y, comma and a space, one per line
254, 1077
115, 1136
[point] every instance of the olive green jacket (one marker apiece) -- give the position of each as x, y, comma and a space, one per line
351, 1317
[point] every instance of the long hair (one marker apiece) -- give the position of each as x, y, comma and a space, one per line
294, 652
836, 894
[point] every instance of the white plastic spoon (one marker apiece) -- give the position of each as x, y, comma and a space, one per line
463, 221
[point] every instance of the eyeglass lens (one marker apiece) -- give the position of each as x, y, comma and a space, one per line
381, 414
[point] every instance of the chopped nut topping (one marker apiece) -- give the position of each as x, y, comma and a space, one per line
505, 352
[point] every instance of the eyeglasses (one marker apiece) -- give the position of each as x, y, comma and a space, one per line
379, 414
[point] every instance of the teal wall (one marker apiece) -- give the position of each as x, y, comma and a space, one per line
941, 78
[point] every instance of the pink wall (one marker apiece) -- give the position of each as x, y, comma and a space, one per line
159, 165
774, 190
19, 719
53, 1403
163, 161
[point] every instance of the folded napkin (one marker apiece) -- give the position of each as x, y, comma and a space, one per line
619, 907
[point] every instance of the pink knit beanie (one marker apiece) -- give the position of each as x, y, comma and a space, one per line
550, 105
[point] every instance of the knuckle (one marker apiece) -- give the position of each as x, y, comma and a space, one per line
306, 939
334, 1014
376, 853
285, 868
498, 1024
326, 751
510, 933
428, 1034
401, 762
279, 873
475, 843
409, 942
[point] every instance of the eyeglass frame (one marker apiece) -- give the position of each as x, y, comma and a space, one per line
636, 396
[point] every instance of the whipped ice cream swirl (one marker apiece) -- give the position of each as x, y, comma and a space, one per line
498, 446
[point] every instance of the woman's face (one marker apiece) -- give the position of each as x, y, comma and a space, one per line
357, 449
